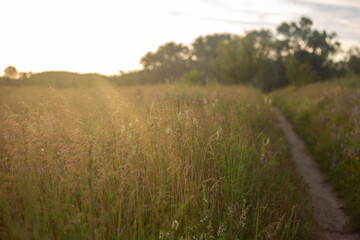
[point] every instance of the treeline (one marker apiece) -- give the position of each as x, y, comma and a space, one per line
296, 54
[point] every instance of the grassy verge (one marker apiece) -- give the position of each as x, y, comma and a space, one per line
327, 116
155, 162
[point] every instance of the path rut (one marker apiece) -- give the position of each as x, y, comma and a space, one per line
328, 209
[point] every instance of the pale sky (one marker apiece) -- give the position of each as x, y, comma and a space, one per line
106, 36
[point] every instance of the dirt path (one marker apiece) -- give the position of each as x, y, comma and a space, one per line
328, 210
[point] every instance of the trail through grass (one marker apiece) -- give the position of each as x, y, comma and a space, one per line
327, 116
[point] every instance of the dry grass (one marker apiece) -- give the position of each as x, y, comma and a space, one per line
156, 162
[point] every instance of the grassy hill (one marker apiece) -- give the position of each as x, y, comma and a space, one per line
59, 79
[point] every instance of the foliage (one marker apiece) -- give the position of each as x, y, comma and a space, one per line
204, 50
230, 63
194, 77
308, 46
257, 58
299, 74
327, 116
354, 60
267, 77
11, 72
296, 34
146, 163
236, 59
169, 62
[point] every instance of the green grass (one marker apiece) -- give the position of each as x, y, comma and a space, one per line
327, 116
351, 81
156, 162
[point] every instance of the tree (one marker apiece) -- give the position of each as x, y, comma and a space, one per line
234, 60
299, 74
322, 44
205, 49
247, 60
194, 77
310, 47
169, 62
296, 34
11, 72
354, 60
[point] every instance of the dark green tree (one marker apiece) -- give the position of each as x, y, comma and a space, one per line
308, 46
247, 60
354, 60
234, 60
168, 63
295, 35
204, 50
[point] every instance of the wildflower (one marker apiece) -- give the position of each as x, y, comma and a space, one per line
168, 130
343, 148
62, 152
179, 115
12, 136
175, 225
230, 211
267, 141
221, 230
204, 219
42, 170
218, 133
76, 221
163, 235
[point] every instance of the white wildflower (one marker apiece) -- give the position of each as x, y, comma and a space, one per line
175, 225
168, 130
218, 133
221, 230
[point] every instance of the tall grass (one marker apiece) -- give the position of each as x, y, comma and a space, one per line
327, 115
153, 162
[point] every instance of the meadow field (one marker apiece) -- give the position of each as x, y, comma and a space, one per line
149, 162
327, 116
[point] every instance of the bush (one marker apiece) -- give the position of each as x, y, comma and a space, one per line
194, 77
299, 74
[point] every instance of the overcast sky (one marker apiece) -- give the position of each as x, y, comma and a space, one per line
108, 35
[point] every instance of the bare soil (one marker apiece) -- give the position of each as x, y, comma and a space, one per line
328, 209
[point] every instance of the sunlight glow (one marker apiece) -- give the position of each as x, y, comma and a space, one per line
108, 36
